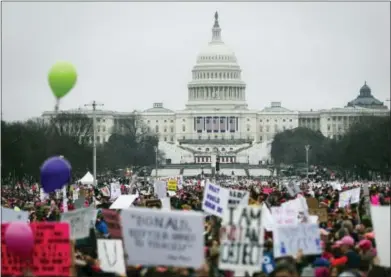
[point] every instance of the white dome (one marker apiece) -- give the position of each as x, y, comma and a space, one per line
216, 51
216, 78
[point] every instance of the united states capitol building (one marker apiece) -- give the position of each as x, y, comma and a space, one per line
216, 120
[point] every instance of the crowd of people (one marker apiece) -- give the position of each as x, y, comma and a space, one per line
348, 240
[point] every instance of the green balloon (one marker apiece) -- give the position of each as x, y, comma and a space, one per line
62, 77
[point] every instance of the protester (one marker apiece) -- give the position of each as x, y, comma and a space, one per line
348, 246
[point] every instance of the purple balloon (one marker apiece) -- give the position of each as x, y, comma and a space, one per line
19, 239
55, 173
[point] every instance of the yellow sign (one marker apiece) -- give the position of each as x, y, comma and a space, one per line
172, 185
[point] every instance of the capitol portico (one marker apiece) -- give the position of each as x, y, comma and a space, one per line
217, 121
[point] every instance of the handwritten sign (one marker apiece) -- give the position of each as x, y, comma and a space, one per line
51, 256
241, 239
115, 191
237, 197
111, 256
215, 200
112, 220
293, 188
160, 189
285, 215
290, 238
10, 215
80, 222
153, 203
175, 238
320, 212
381, 223
172, 185
347, 197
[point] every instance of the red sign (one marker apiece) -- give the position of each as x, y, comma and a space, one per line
51, 256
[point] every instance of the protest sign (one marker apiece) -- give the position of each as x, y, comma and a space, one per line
105, 191
290, 238
10, 215
75, 195
268, 263
286, 214
111, 256
79, 203
175, 238
293, 188
124, 201
238, 197
79, 221
160, 189
320, 212
112, 220
241, 237
348, 197
51, 253
115, 191
172, 185
153, 203
380, 216
365, 188
312, 203
215, 200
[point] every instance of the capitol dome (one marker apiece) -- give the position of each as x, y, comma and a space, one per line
216, 82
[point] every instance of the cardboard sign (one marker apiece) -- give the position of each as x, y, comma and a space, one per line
51, 256
312, 203
80, 222
112, 219
111, 256
153, 203
320, 212
172, 185
241, 238
157, 237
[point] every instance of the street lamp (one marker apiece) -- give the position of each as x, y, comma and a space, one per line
307, 149
94, 105
156, 150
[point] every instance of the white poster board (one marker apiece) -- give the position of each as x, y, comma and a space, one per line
381, 224
215, 199
160, 189
79, 222
111, 256
238, 197
10, 215
241, 237
288, 239
156, 237
347, 197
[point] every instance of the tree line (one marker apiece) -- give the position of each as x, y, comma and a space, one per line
364, 150
26, 145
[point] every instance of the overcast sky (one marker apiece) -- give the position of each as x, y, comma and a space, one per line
129, 55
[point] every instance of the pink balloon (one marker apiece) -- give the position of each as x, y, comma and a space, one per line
19, 239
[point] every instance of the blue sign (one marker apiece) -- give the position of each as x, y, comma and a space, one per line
268, 264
